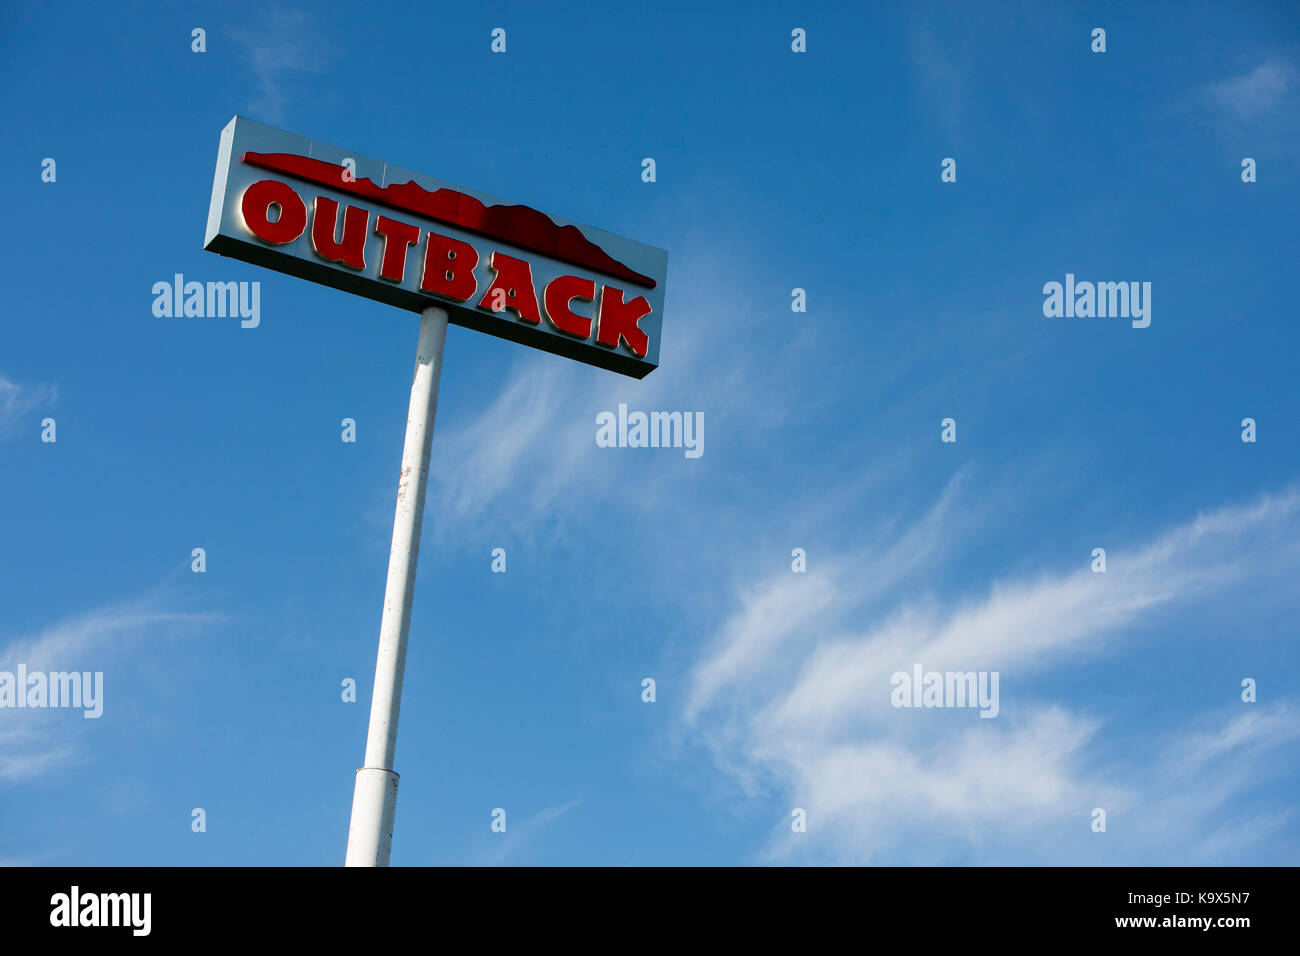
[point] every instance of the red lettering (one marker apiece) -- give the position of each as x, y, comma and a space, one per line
449, 267
512, 288
255, 207
618, 319
398, 237
324, 225
559, 293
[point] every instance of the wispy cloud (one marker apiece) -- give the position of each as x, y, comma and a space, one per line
793, 695
940, 65
1264, 92
38, 741
1259, 107
281, 45
534, 446
518, 834
19, 401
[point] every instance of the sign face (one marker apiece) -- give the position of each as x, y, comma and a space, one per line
364, 226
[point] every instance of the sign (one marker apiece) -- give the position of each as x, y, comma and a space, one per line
367, 227
345, 220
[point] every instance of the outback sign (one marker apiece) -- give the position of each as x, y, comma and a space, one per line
335, 217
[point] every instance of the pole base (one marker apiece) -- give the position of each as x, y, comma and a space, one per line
374, 805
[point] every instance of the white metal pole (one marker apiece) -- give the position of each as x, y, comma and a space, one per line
374, 799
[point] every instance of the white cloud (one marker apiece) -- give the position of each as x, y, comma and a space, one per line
528, 462
28, 753
1264, 91
1254, 730
38, 741
17, 402
280, 44
794, 693
518, 834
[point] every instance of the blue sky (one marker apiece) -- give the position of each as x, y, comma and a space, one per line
775, 170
